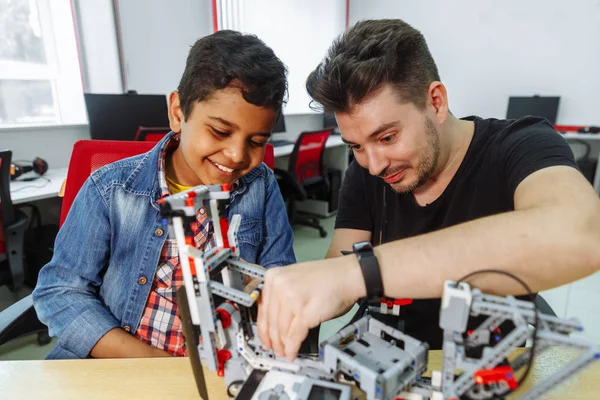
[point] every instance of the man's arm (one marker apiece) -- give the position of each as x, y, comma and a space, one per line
343, 239
550, 239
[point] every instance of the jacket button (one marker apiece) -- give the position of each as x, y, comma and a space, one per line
142, 280
127, 328
202, 210
159, 232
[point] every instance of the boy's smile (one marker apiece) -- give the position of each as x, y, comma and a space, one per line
222, 139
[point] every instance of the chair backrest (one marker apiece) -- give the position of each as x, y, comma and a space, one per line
7, 211
306, 160
88, 156
269, 158
147, 134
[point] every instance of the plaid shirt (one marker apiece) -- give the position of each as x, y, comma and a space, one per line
160, 325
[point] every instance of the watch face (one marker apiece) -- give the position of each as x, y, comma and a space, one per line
360, 246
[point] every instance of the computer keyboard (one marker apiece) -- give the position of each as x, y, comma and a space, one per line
281, 142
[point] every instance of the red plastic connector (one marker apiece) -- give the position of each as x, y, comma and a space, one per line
222, 357
498, 374
225, 317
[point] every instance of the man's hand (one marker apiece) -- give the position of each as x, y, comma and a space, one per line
299, 297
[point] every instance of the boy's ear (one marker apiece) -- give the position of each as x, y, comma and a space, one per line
175, 112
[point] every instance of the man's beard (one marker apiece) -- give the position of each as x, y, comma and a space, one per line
427, 163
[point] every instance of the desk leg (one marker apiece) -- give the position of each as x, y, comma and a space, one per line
597, 178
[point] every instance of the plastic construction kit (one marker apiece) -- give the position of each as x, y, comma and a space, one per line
366, 359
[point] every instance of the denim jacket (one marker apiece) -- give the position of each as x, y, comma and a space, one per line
107, 251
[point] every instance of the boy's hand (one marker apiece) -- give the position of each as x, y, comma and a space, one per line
119, 344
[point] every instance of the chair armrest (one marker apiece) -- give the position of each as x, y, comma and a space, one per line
14, 239
18, 320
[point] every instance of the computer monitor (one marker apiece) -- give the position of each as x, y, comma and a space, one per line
118, 116
537, 106
279, 126
329, 120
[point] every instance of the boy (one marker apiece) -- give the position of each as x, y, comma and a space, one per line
109, 290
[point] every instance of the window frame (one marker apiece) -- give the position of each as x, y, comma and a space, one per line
62, 68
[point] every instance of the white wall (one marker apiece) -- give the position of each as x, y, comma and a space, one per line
98, 49
299, 32
53, 144
489, 50
156, 37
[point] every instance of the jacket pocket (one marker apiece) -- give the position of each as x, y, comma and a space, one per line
250, 232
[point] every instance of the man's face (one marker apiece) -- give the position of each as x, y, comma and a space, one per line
223, 138
393, 140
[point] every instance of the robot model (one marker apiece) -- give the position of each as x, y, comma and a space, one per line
366, 358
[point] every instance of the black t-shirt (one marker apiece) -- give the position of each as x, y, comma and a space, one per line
501, 154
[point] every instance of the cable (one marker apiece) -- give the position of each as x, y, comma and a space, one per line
588, 148
48, 181
535, 328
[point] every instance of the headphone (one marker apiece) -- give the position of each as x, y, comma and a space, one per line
589, 129
38, 165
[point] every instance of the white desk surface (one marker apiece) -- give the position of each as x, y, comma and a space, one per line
581, 136
46, 186
282, 151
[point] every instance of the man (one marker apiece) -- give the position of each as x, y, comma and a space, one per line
443, 196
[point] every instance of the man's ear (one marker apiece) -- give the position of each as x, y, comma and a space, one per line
176, 117
439, 100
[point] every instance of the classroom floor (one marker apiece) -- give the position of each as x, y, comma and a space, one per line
307, 246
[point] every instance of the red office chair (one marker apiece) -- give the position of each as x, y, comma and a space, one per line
269, 158
146, 134
306, 176
88, 156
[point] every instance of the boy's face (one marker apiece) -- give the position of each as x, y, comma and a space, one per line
223, 138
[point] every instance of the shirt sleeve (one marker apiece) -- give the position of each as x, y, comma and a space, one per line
353, 211
66, 296
531, 145
277, 248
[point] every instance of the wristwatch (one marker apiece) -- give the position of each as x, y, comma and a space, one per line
370, 269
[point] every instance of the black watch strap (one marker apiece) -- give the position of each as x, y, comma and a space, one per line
370, 269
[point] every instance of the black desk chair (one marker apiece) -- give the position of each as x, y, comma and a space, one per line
13, 224
306, 176
19, 319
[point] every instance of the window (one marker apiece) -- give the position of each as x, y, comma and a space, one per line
40, 80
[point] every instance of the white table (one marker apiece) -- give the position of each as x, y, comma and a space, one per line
45, 187
335, 156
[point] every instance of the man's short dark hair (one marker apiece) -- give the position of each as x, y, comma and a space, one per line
229, 58
366, 57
